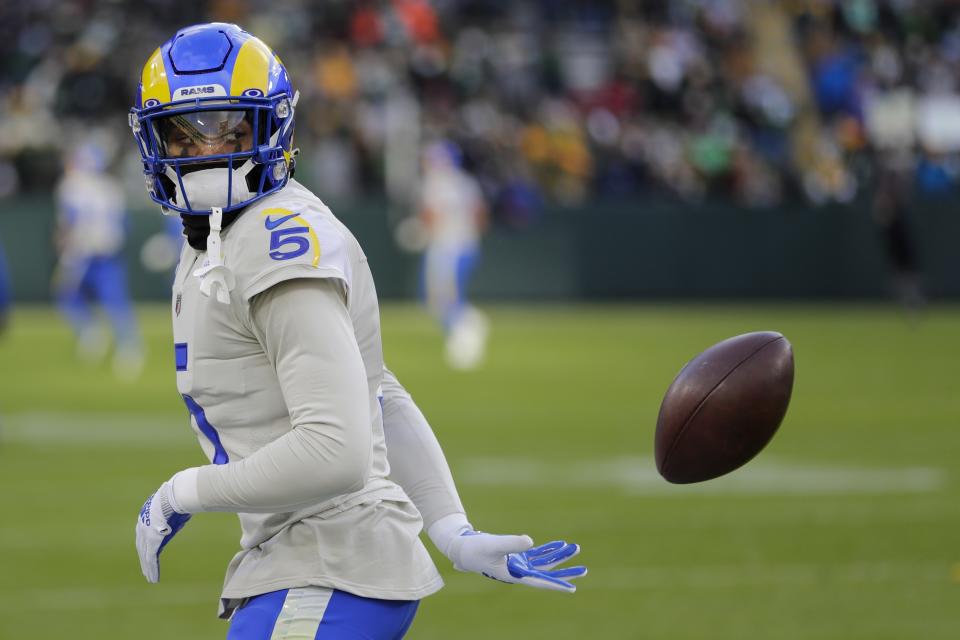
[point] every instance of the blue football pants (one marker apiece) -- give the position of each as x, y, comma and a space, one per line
444, 276
319, 613
103, 279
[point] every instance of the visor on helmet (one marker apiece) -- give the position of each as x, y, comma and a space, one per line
199, 134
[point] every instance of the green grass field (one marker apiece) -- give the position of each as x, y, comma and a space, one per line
845, 528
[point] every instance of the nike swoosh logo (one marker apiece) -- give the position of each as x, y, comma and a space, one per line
272, 224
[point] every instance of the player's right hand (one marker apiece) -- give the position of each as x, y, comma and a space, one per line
157, 524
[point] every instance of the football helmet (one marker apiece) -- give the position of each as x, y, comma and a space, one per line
214, 119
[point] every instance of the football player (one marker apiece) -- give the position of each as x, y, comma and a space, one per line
89, 236
279, 362
454, 215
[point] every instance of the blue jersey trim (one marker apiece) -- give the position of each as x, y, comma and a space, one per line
219, 453
180, 354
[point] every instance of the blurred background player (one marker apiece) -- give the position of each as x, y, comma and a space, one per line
90, 232
454, 214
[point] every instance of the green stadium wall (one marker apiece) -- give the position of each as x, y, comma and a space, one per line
602, 251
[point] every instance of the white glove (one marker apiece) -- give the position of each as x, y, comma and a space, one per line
511, 559
159, 521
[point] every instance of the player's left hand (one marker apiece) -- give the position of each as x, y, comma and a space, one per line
515, 560
157, 524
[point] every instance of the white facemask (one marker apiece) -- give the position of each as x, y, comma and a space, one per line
207, 188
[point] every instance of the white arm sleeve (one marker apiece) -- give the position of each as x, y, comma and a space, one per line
305, 330
416, 460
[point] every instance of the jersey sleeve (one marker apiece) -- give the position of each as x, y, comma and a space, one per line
416, 460
279, 243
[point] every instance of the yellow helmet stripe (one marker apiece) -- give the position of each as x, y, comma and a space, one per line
251, 68
154, 80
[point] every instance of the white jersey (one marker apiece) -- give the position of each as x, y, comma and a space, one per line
247, 396
91, 212
454, 199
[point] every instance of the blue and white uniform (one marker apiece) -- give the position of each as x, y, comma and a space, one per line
453, 199
453, 206
284, 386
279, 362
91, 229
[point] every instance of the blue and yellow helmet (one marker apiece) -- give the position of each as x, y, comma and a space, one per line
214, 119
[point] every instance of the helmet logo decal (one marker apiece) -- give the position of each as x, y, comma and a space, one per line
200, 91
152, 102
253, 93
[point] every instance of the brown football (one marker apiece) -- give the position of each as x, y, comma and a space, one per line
724, 407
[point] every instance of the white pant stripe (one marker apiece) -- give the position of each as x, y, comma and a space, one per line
301, 614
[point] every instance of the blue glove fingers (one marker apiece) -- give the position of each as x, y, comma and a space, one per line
550, 547
569, 573
555, 557
520, 570
518, 566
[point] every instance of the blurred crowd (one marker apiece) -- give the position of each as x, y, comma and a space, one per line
550, 100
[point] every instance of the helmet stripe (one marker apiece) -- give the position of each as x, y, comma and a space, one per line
154, 80
251, 68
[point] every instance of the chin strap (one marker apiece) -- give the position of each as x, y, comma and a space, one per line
213, 273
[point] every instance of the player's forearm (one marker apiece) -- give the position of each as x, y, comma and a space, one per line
307, 466
417, 462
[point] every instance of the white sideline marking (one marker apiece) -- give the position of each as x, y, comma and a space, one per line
86, 598
633, 475
82, 429
734, 576
16, 601
638, 476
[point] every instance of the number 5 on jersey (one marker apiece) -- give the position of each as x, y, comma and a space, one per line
288, 242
